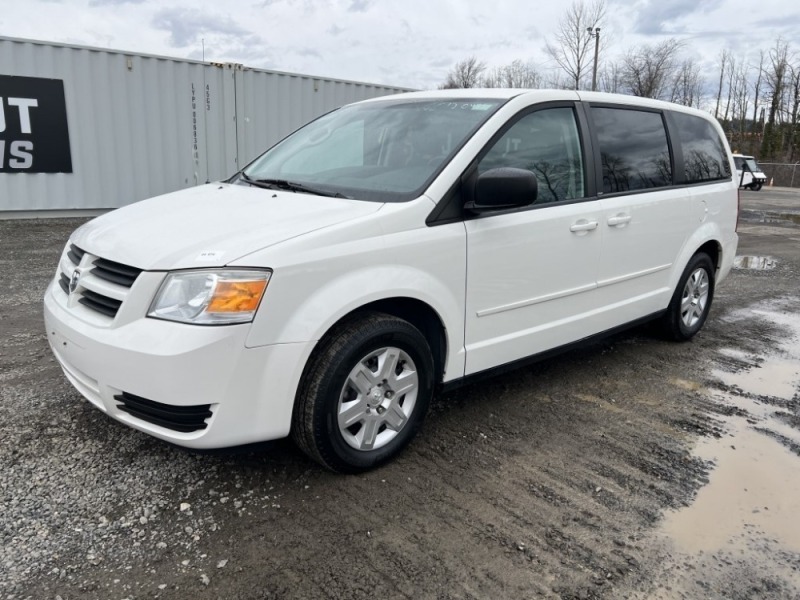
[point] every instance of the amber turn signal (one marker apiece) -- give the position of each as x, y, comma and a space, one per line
236, 296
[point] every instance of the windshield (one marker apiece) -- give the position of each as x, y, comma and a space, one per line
749, 161
381, 151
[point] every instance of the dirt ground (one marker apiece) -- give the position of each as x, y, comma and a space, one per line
632, 468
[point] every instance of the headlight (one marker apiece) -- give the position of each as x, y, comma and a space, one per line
210, 297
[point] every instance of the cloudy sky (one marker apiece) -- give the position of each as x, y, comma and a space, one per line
410, 43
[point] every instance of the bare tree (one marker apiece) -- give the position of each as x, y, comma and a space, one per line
465, 74
572, 45
731, 91
687, 84
794, 93
741, 99
775, 80
517, 74
723, 59
757, 88
610, 78
647, 70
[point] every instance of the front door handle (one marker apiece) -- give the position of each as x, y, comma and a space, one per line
583, 225
619, 220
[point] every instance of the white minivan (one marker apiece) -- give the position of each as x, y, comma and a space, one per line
387, 250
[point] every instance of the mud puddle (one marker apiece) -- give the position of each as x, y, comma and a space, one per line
740, 538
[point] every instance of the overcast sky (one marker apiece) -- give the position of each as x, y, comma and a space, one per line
409, 43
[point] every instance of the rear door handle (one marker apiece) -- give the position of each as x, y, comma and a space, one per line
583, 225
619, 220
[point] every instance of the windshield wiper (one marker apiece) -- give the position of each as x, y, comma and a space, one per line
290, 186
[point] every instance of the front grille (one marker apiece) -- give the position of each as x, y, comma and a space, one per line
93, 291
75, 254
100, 303
115, 272
178, 418
63, 281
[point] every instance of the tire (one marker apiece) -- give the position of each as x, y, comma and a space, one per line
691, 302
756, 186
364, 393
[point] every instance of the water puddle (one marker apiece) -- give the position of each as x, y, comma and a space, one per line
753, 492
775, 378
757, 263
771, 217
793, 217
743, 531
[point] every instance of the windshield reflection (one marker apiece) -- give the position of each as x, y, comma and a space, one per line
386, 151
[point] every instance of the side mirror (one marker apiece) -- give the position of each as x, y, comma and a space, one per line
503, 188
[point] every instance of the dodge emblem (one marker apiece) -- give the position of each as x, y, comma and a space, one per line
73, 281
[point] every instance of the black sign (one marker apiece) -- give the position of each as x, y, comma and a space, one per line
34, 136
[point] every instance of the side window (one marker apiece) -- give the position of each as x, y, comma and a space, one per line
633, 149
545, 142
704, 155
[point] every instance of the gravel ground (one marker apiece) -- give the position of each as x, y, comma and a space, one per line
552, 481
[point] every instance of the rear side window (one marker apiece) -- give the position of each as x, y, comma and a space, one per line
633, 149
704, 155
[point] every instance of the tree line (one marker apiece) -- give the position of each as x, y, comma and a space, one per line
757, 103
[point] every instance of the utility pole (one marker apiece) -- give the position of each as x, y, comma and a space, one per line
595, 33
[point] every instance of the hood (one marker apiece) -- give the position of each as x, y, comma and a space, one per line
210, 225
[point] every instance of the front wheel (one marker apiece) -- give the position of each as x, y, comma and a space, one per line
364, 393
756, 186
691, 302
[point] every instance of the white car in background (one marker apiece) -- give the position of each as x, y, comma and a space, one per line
387, 250
748, 173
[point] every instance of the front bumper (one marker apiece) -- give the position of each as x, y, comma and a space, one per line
250, 391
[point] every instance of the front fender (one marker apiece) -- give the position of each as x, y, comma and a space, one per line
316, 314
308, 294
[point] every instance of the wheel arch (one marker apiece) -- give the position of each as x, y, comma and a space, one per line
714, 250
420, 314
707, 239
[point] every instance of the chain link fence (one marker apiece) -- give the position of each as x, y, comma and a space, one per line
782, 174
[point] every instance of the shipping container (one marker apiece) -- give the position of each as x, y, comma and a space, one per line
87, 129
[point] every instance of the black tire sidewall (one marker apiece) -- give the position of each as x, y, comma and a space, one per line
679, 329
332, 446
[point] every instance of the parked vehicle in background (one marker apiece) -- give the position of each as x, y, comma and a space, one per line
748, 173
389, 249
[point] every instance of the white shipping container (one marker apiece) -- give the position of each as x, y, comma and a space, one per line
139, 125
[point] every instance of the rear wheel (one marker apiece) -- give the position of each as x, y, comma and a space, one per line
364, 394
691, 302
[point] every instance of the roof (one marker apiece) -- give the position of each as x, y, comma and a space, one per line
546, 95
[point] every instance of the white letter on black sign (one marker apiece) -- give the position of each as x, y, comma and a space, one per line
21, 151
2, 117
24, 105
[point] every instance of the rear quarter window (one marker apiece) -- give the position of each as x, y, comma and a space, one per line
704, 155
633, 149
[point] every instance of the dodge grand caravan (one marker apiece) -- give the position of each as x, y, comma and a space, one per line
389, 249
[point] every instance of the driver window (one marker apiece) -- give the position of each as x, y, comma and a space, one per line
546, 143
